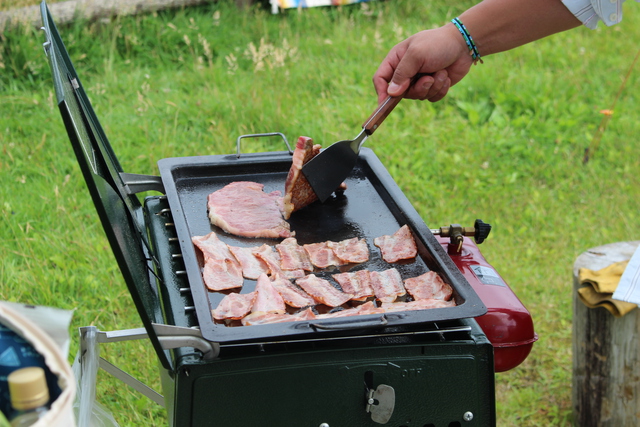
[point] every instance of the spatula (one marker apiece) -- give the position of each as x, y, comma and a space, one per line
328, 170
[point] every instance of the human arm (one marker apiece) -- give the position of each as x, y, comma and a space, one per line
495, 26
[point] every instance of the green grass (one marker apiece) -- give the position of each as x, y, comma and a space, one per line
506, 146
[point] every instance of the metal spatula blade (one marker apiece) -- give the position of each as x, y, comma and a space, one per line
330, 168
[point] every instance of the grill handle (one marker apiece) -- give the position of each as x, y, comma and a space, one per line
261, 135
381, 321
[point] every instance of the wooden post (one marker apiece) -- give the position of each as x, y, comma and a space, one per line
244, 3
67, 11
606, 352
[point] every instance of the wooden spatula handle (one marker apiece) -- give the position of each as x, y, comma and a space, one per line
381, 113
375, 120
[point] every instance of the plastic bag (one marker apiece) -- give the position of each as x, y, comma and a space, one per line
89, 413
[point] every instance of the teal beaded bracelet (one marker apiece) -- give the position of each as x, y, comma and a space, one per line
473, 50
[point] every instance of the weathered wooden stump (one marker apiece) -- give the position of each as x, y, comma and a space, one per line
606, 352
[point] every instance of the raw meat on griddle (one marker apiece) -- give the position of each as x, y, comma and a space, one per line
322, 291
366, 308
272, 259
422, 304
399, 245
221, 269
261, 318
357, 283
387, 284
268, 299
242, 208
297, 190
428, 286
321, 255
291, 294
252, 266
212, 247
222, 275
293, 256
351, 250
234, 306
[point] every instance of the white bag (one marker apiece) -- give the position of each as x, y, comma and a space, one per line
61, 412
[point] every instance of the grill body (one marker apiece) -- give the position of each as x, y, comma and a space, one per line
440, 372
435, 383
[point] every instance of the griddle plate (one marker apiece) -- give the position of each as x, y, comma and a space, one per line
372, 206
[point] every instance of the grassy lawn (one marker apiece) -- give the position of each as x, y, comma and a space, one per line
506, 146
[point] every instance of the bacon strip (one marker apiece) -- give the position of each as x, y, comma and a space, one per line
272, 259
366, 308
222, 275
422, 304
242, 208
221, 269
387, 284
212, 247
351, 250
428, 286
399, 245
357, 283
322, 291
252, 266
321, 255
234, 306
297, 191
268, 299
261, 318
291, 294
293, 256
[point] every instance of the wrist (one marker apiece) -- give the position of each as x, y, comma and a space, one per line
456, 41
466, 40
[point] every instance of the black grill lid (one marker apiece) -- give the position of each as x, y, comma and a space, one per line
118, 207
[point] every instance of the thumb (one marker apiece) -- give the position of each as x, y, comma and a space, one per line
402, 76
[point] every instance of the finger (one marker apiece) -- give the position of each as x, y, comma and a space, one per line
420, 88
440, 78
409, 65
443, 91
384, 73
381, 80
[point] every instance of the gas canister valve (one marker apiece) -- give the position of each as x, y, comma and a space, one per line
480, 231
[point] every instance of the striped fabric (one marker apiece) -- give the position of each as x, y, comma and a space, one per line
590, 12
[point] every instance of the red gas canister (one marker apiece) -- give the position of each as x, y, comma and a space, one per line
507, 324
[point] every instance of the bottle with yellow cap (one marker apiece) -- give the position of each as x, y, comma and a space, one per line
29, 395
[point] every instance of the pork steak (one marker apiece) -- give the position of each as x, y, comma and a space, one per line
242, 208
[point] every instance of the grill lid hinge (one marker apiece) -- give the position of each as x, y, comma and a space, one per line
135, 183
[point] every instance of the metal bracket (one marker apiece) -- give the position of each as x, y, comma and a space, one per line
380, 403
169, 336
177, 336
46, 45
132, 382
136, 183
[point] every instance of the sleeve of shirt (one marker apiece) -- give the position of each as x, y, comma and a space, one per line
590, 12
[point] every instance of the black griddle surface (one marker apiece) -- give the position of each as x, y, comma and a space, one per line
372, 206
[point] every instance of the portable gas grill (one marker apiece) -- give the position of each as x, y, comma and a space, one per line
417, 368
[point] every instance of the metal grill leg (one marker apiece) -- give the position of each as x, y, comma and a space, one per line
90, 339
